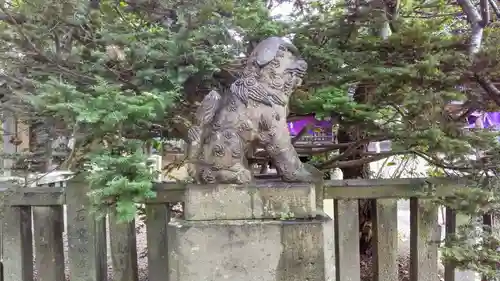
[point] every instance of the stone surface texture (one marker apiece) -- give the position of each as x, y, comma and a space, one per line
265, 231
250, 201
247, 250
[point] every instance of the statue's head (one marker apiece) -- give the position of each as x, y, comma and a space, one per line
278, 64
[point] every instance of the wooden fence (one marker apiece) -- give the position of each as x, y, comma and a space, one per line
87, 251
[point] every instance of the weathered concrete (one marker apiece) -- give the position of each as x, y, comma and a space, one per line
275, 200
247, 250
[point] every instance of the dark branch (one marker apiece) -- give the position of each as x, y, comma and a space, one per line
94, 4
348, 152
488, 86
363, 160
468, 8
301, 133
13, 19
485, 12
495, 8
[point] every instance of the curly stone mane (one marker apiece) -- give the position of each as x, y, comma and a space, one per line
270, 84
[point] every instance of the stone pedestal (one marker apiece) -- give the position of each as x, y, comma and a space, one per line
264, 200
264, 232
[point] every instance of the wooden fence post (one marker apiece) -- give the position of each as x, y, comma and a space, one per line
17, 244
423, 240
48, 227
385, 239
9, 131
48, 222
346, 244
157, 218
123, 249
487, 229
86, 236
451, 227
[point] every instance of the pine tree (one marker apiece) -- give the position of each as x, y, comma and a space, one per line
114, 74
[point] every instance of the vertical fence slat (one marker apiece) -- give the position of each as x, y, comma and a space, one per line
123, 249
9, 130
49, 249
329, 239
1, 246
487, 223
451, 226
157, 218
347, 244
17, 244
101, 250
423, 237
85, 260
385, 239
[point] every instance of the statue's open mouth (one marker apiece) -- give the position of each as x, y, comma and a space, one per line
297, 72
299, 68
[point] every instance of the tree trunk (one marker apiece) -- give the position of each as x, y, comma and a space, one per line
365, 211
349, 132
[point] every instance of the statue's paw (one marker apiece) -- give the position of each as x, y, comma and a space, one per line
191, 171
244, 176
236, 175
301, 175
306, 173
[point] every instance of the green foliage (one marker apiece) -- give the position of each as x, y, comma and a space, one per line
116, 76
479, 254
112, 77
120, 178
117, 167
404, 83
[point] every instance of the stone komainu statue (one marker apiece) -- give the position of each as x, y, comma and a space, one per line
252, 114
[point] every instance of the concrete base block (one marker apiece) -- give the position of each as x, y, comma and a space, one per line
266, 200
247, 251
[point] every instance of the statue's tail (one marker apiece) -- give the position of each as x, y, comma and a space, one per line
204, 115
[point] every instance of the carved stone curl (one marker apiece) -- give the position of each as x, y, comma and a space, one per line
253, 114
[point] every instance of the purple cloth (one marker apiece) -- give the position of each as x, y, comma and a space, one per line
325, 127
488, 120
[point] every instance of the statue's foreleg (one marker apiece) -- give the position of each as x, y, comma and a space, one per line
204, 115
192, 150
279, 146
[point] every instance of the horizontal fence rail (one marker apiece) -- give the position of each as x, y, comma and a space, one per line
332, 189
35, 221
